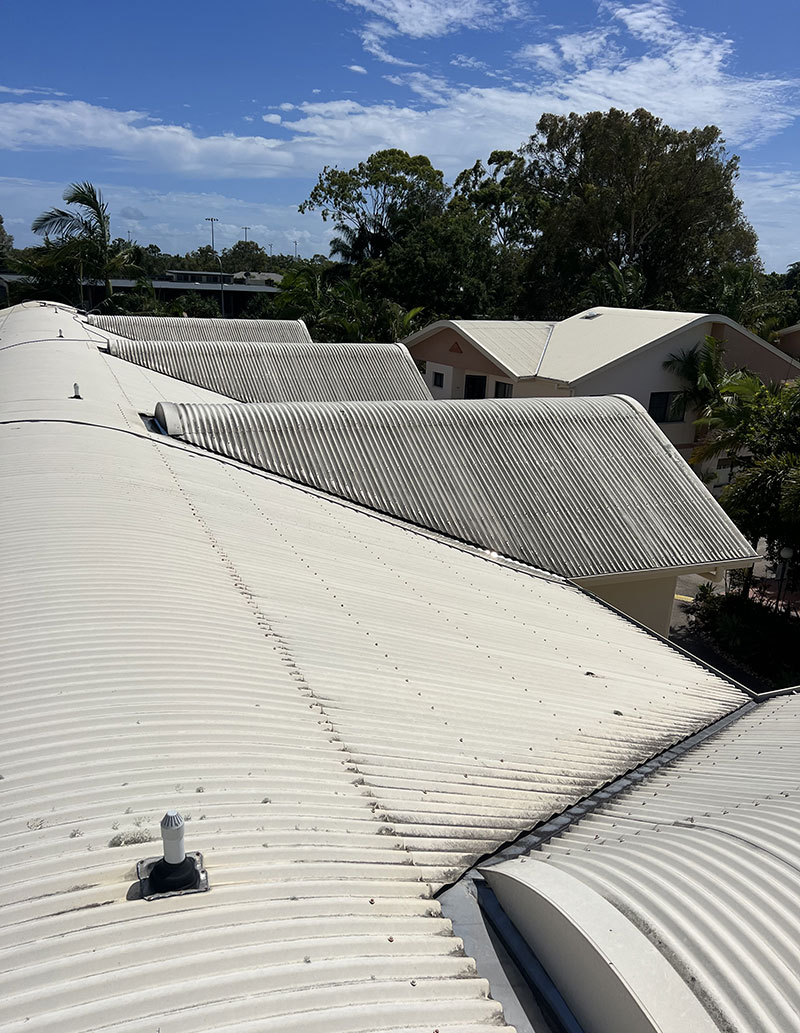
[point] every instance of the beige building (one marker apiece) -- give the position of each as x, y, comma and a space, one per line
790, 340
597, 352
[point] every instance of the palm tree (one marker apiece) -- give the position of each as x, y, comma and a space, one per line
703, 371
83, 237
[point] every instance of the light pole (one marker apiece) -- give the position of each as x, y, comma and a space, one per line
212, 219
245, 228
221, 289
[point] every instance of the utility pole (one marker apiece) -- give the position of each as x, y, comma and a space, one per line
270, 250
245, 228
212, 219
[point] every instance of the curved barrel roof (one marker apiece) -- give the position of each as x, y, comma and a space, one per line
347, 711
179, 328
256, 371
577, 486
701, 859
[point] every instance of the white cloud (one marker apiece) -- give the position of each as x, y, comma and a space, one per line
771, 198
174, 220
419, 19
25, 90
683, 76
465, 61
357, 68
426, 19
272, 119
135, 137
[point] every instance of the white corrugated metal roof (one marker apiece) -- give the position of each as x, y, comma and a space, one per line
570, 349
263, 372
517, 346
350, 711
578, 486
574, 348
590, 340
701, 857
178, 328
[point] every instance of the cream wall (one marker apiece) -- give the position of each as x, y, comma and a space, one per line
648, 600
539, 387
791, 343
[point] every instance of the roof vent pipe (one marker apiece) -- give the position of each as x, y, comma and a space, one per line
175, 871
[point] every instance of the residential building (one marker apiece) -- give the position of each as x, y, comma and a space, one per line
789, 340
597, 352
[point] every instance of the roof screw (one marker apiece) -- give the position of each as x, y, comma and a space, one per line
76, 391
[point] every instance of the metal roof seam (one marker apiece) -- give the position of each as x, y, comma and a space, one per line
539, 837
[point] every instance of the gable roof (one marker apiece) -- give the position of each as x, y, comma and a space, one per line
185, 631
581, 345
578, 486
516, 346
178, 328
261, 372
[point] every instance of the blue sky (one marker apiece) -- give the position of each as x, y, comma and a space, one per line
181, 111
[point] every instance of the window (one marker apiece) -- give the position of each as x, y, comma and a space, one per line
503, 390
667, 406
474, 386
438, 379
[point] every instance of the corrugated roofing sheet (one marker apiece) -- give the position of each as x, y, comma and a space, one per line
702, 858
515, 345
590, 340
578, 486
258, 372
177, 328
349, 713
567, 350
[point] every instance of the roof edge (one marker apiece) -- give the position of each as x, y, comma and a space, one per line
443, 324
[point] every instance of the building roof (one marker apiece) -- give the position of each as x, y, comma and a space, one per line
259, 372
577, 486
699, 861
575, 348
350, 710
179, 328
516, 346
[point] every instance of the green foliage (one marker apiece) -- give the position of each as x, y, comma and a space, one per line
244, 256
195, 305
6, 244
745, 294
374, 203
708, 381
336, 309
77, 247
751, 633
625, 188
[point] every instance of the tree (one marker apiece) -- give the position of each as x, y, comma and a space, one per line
708, 381
6, 243
625, 188
445, 264
758, 425
244, 256
83, 237
376, 203
336, 309
745, 294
